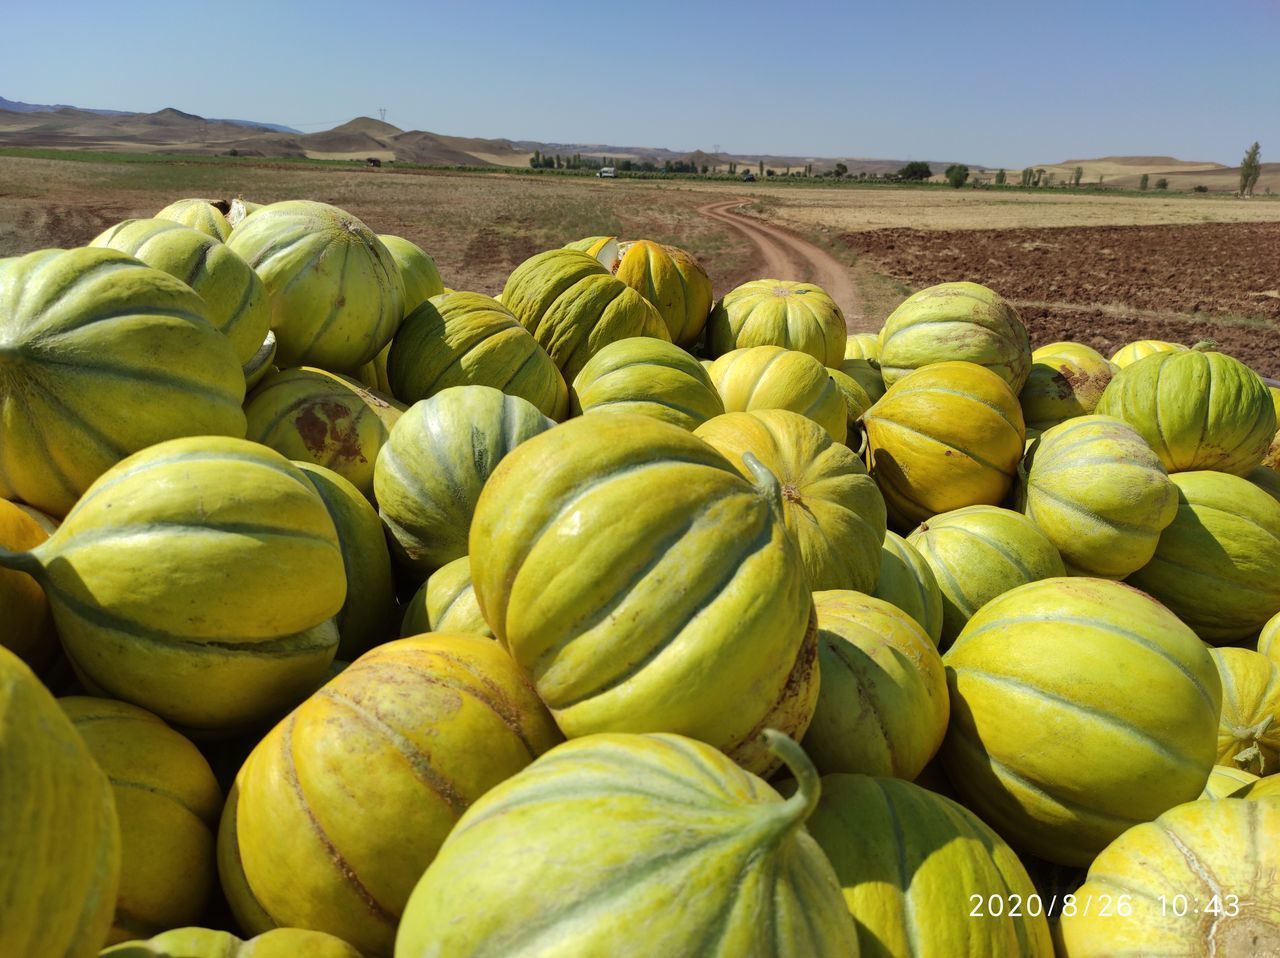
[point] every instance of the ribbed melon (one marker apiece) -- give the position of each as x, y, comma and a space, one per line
830, 504
207, 943
574, 308
367, 616
646, 586
236, 297
28, 630
167, 805
1197, 410
465, 339
336, 293
946, 436
1101, 496
196, 579
1266, 479
863, 346
866, 373
1269, 638
908, 582
673, 281
1130, 353
1226, 779
438, 458
1199, 880
979, 552
856, 401
343, 804
418, 271
1263, 788
324, 418
205, 216
912, 863
771, 377
446, 602
882, 704
582, 852
1079, 708
1249, 729
1066, 380
1215, 564
775, 312
101, 356
955, 322
59, 841
649, 377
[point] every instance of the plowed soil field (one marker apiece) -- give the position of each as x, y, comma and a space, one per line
1105, 286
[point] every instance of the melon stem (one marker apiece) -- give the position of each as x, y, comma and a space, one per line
801, 805
765, 481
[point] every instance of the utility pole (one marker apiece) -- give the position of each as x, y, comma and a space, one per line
382, 113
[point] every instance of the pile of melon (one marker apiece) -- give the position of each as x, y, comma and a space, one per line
343, 614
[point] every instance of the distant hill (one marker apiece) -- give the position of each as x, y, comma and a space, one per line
17, 106
1126, 172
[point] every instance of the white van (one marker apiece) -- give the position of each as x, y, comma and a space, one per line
608, 172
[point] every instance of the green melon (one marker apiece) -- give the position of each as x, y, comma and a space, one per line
437, 459
446, 602
417, 271
650, 377
908, 582
101, 356
204, 216
1215, 564
774, 312
336, 293
581, 853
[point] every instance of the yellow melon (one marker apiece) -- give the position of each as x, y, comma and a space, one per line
775, 312
771, 377
1249, 729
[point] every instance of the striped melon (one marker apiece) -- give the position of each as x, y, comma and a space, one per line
1225, 780
1266, 479
28, 629
646, 586
908, 582
856, 402
324, 418
1263, 788
979, 552
205, 216
1215, 564
650, 377
775, 312
574, 308
1130, 353
345, 802
196, 579
207, 943
882, 705
944, 437
912, 862
418, 271
863, 346
673, 281
101, 357
1079, 708
633, 845
236, 297
1269, 638
336, 293
1197, 410
866, 373
1249, 729
1199, 880
830, 504
1066, 380
955, 322
1101, 496
446, 602
167, 805
465, 339
59, 840
771, 377
367, 616
438, 458
261, 363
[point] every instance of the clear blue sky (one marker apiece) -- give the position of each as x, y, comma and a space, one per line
997, 83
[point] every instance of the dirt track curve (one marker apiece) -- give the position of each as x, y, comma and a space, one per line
787, 256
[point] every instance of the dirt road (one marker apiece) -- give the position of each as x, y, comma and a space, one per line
786, 256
